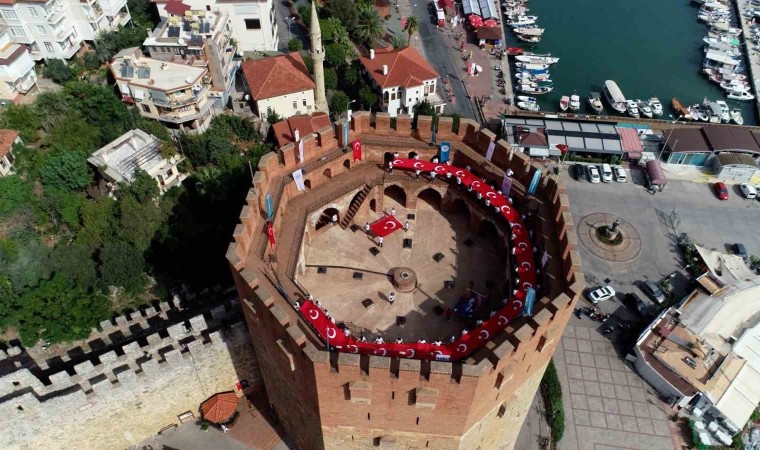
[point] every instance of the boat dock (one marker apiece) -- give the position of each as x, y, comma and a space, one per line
752, 55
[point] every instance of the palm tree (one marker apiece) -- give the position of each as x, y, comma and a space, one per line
412, 25
369, 26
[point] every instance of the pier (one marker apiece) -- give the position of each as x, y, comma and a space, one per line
753, 57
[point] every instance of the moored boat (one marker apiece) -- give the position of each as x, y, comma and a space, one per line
680, 110
526, 98
528, 106
614, 96
632, 108
725, 111
741, 95
535, 90
537, 59
575, 102
736, 116
656, 106
644, 108
595, 101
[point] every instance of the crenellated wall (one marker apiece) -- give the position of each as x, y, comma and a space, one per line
119, 396
328, 399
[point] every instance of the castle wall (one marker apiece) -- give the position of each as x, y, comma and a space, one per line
339, 399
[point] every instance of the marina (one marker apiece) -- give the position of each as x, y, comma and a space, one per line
701, 65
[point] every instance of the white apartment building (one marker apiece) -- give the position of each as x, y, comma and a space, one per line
134, 150
55, 29
175, 94
17, 75
253, 22
198, 38
7, 139
403, 78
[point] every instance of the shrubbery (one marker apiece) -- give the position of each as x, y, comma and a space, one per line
555, 411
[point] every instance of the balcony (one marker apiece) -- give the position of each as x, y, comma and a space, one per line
25, 84
70, 50
187, 116
184, 101
56, 15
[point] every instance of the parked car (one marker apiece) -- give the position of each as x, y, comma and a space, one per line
721, 190
579, 172
748, 191
740, 250
592, 173
620, 175
606, 173
637, 304
601, 294
653, 291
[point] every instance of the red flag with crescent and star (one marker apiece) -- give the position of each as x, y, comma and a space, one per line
562, 148
385, 226
270, 234
356, 146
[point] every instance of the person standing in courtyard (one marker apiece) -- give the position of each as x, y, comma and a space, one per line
406, 226
379, 241
391, 297
393, 211
366, 227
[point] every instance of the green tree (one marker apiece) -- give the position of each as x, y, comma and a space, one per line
74, 134
75, 262
123, 265
398, 42
15, 194
339, 103
242, 127
57, 311
138, 222
97, 218
273, 117
345, 11
63, 206
53, 108
367, 96
143, 188
369, 26
304, 12
351, 76
333, 31
28, 161
66, 170
295, 45
100, 107
8, 302
22, 118
331, 79
412, 25
336, 54
58, 71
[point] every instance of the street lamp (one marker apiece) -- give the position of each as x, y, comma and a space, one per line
289, 20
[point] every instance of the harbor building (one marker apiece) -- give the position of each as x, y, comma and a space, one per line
133, 150
296, 237
703, 353
402, 78
199, 38
177, 95
17, 75
253, 22
56, 29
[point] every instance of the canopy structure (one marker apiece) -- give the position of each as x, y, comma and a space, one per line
219, 408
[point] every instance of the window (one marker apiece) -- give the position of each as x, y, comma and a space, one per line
49, 47
17, 31
146, 108
33, 47
304, 102
252, 24
32, 11
208, 7
10, 15
269, 110
295, 105
41, 30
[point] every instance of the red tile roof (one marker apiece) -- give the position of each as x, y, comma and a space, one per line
278, 75
406, 67
7, 139
220, 407
284, 130
176, 7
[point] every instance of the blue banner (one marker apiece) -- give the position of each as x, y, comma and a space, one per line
345, 133
534, 182
530, 299
269, 206
445, 149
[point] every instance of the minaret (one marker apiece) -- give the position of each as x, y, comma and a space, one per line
318, 55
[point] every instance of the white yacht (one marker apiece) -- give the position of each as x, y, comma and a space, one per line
656, 106
564, 103
741, 95
614, 96
632, 108
595, 101
725, 112
644, 109
575, 102
736, 116
529, 106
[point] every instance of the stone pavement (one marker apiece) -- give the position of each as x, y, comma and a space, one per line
607, 405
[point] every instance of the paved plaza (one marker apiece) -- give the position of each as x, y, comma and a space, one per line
466, 257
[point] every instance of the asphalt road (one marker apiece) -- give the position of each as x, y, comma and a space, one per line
709, 222
438, 53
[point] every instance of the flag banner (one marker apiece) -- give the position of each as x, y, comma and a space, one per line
300, 151
269, 207
298, 178
530, 299
386, 226
270, 233
445, 150
356, 146
562, 148
506, 186
489, 152
345, 133
534, 182
544, 258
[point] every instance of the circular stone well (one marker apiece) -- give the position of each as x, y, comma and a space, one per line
403, 278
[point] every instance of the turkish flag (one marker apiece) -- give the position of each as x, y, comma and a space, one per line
270, 233
385, 226
357, 148
562, 148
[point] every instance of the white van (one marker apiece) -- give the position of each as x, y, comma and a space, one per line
606, 173
748, 190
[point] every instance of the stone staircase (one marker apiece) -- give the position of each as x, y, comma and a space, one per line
356, 203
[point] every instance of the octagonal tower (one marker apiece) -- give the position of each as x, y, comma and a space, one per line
327, 397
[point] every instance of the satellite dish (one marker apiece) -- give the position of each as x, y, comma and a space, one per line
181, 41
240, 53
172, 160
247, 97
